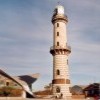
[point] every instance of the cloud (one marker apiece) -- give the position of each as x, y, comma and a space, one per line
26, 34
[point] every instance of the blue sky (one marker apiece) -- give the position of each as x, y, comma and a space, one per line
26, 36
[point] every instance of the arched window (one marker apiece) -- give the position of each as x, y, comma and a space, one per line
67, 62
57, 33
57, 43
58, 89
57, 24
58, 72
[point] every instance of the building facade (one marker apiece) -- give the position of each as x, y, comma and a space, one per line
24, 82
60, 51
92, 90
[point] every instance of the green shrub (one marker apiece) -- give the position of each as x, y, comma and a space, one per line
10, 91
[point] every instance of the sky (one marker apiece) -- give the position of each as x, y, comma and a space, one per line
26, 35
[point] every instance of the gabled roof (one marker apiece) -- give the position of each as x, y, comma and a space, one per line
23, 81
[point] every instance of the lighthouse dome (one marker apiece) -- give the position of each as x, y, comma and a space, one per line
59, 9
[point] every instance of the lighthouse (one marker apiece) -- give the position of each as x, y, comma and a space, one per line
60, 51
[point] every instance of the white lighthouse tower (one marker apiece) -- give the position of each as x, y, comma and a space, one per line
60, 51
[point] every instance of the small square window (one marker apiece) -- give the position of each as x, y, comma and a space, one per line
7, 83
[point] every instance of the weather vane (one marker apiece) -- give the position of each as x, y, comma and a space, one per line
58, 2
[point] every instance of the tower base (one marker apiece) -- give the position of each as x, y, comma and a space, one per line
67, 98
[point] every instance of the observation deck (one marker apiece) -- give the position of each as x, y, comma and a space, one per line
54, 49
59, 17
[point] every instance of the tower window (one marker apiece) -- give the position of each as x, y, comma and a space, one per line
57, 43
57, 33
57, 24
67, 62
58, 72
58, 89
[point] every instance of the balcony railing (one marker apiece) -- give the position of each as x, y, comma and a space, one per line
61, 47
60, 17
